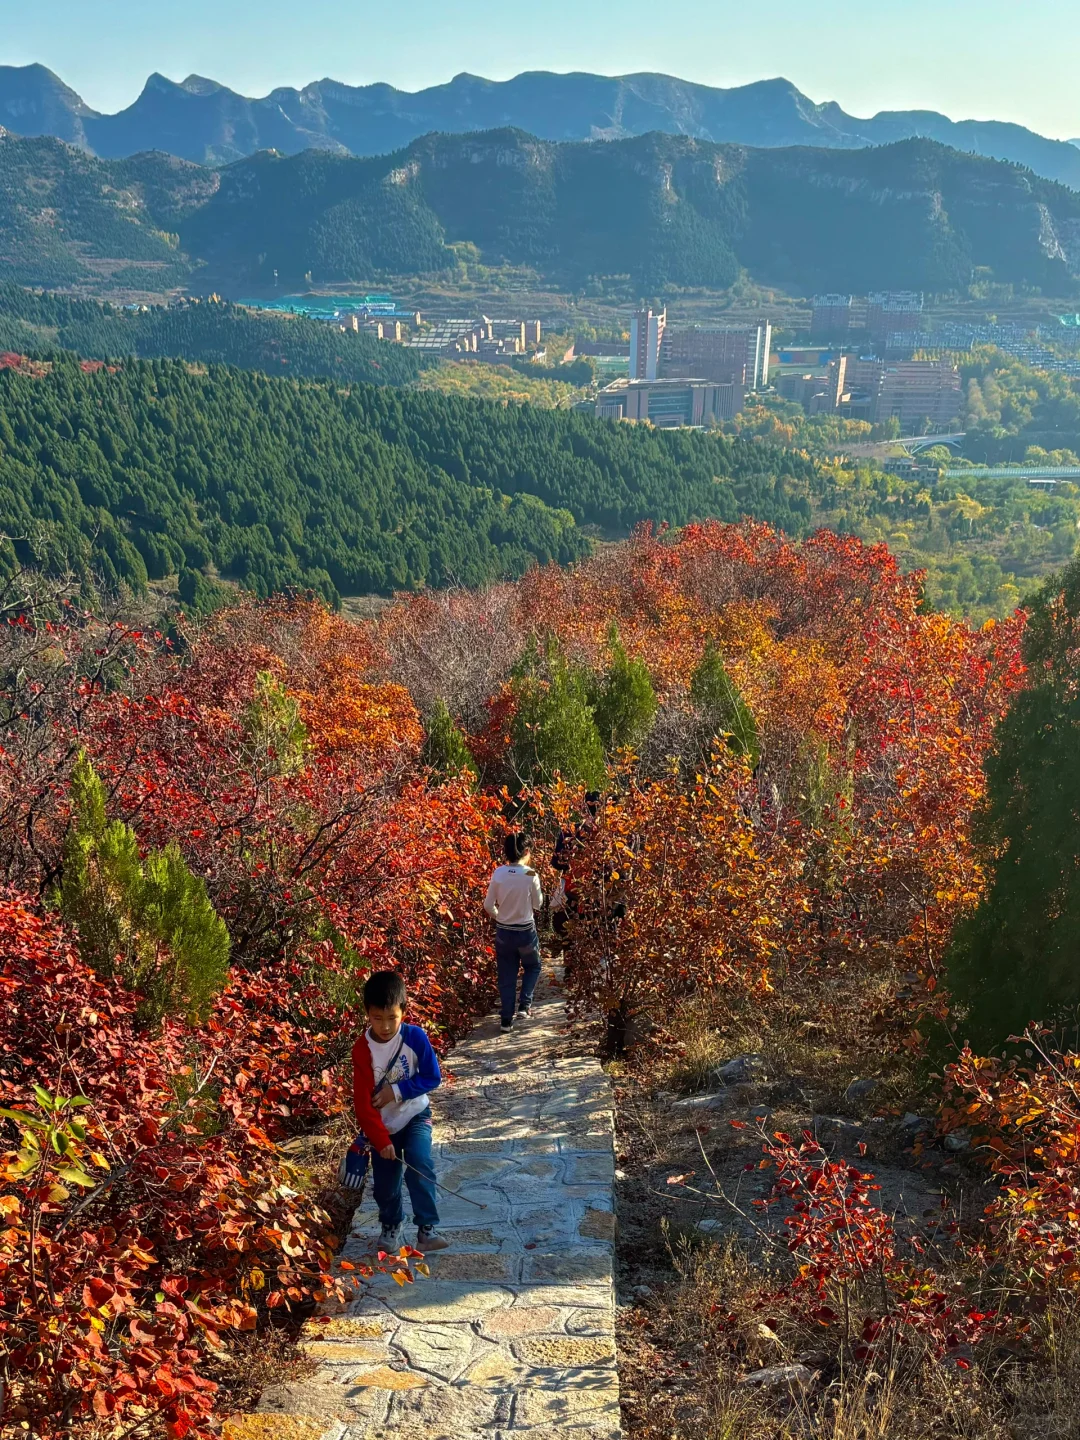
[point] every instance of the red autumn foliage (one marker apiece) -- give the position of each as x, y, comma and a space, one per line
190, 1221
1024, 1115
280, 748
850, 1271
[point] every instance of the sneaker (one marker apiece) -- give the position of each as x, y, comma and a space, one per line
506, 1026
429, 1241
524, 1011
391, 1238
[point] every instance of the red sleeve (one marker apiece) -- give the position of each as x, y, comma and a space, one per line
363, 1087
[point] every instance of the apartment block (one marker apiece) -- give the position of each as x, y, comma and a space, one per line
912, 391
725, 354
894, 315
831, 318
647, 329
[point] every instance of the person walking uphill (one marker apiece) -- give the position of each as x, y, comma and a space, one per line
394, 1071
513, 898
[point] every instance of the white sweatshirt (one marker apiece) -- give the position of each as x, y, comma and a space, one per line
513, 897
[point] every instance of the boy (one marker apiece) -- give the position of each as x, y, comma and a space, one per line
394, 1069
513, 898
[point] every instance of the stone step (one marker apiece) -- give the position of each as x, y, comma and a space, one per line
512, 1334
309, 1427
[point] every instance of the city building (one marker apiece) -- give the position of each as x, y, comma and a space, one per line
486, 338
911, 391
646, 337
804, 390
726, 354
893, 317
831, 318
669, 402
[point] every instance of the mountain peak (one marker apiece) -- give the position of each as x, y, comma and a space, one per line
201, 120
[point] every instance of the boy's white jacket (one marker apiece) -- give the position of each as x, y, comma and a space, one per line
413, 1075
514, 896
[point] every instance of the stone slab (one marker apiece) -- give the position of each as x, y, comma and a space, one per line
512, 1333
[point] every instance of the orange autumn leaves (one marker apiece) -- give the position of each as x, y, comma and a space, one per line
873, 716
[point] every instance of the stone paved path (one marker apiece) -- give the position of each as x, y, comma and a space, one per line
513, 1335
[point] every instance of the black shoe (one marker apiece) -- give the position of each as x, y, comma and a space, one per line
506, 1026
524, 1011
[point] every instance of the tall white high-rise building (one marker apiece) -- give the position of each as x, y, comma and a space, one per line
646, 334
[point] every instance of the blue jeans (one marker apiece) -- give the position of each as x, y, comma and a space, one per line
514, 950
413, 1142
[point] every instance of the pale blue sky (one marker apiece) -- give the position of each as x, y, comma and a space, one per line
982, 59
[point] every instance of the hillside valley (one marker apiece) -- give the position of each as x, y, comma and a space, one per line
662, 210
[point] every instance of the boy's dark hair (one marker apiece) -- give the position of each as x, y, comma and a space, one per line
384, 988
514, 846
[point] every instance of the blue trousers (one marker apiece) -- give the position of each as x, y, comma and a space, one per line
516, 950
413, 1142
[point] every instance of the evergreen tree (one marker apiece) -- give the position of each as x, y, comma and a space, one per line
624, 703
149, 921
553, 727
445, 749
1017, 958
718, 701
276, 738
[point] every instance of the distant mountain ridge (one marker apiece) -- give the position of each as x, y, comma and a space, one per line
201, 120
664, 210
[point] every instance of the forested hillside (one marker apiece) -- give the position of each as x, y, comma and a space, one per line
157, 468
210, 333
664, 210
67, 218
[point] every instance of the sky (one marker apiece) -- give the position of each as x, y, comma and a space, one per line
971, 59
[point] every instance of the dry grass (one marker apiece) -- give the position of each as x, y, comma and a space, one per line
688, 1339
821, 1044
685, 1360
256, 1361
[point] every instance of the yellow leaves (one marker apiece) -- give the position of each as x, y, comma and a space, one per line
257, 1279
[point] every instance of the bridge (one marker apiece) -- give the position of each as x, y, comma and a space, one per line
879, 449
1033, 474
925, 442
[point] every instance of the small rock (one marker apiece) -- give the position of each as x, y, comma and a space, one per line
780, 1375
710, 1226
958, 1141
642, 1292
743, 1070
912, 1123
716, 1101
860, 1089
620, 1174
